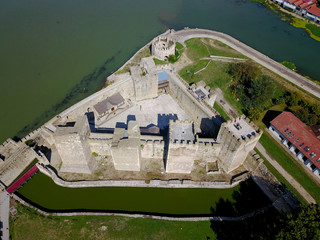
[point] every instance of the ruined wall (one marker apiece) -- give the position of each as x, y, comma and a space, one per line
181, 156
100, 146
126, 155
152, 149
187, 103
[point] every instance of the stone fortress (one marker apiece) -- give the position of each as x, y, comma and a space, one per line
147, 114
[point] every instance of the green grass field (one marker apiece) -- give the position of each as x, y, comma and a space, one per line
219, 109
197, 48
290, 164
28, 225
215, 76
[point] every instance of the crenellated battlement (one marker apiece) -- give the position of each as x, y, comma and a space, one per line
162, 47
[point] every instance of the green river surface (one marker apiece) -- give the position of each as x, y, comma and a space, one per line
54, 53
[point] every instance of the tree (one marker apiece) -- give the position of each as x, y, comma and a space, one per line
302, 224
243, 72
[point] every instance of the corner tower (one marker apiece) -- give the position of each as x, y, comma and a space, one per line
237, 138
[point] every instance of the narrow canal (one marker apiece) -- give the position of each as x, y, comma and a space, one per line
43, 192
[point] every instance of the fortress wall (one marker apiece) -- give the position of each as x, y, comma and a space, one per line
100, 146
125, 88
126, 158
152, 149
181, 157
187, 103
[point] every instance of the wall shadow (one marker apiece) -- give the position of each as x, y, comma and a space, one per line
163, 120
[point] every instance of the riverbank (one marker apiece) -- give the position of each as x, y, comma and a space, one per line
311, 27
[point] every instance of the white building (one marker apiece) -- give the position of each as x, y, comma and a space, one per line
303, 141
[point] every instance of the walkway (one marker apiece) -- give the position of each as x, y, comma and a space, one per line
21, 180
4, 214
260, 58
286, 175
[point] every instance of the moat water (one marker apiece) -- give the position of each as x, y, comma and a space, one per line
239, 200
54, 53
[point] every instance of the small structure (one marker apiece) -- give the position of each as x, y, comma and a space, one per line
162, 47
203, 92
109, 105
163, 80
303, 141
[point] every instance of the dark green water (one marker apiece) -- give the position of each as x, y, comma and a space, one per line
241, 199
54, 52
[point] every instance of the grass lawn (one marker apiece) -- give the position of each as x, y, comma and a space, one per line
199, 48
159, 62
215, 75
290, 165
27, 224
219, 109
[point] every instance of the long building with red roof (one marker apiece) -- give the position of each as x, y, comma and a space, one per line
306, 8
303, 141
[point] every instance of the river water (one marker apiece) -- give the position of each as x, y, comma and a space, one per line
54, 52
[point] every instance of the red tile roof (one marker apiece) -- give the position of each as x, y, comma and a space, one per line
299, 2
289, 125
307, 3
314, 10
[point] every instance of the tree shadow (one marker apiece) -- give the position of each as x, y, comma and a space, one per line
269, 116
263, 220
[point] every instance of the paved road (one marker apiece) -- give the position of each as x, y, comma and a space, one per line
4, 214
286, 175
260, 58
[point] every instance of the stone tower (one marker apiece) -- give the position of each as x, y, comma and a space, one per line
145, 79
182, 150
162, 47
73, 147
237, 138
125, 148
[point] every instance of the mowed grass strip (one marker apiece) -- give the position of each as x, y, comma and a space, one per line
29, 225
219, 109
200, 48
290, 165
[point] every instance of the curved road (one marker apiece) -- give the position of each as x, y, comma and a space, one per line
260, 58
